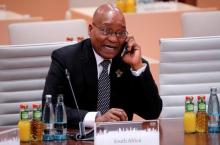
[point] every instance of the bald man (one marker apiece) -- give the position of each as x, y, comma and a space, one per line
132, 87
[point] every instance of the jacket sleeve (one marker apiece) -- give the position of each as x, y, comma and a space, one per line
147, 98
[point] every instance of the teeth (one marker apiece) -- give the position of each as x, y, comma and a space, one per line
110, 47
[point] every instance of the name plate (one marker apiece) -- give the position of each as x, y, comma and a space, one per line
127, 133
10, 137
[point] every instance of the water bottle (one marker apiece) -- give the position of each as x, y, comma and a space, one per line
48, 120
213, 111
60, 120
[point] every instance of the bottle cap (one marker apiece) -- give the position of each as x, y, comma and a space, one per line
213, 89
23, 106
69, 38
79, 38
36, 105
60, 98
48, 96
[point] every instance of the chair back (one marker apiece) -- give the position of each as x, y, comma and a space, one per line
47, 31
23, 69
188, 67
203, 23
4, 38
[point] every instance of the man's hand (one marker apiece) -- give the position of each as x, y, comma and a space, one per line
114, 114
133, 56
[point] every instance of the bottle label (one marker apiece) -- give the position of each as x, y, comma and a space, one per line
37, 115
189, 107
48, 128
214, 117
24, 115
60, 128
202, 107
213, 123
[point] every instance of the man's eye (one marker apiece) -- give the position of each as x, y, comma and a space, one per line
121, 33
107, 31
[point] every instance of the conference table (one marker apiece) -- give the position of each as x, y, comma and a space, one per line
171, 133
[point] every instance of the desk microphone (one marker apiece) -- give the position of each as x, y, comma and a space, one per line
81, 135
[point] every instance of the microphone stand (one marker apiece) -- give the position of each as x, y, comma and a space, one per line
82, 134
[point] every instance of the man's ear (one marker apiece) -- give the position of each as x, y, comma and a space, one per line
90, 30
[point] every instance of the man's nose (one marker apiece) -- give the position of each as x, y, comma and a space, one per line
113, 37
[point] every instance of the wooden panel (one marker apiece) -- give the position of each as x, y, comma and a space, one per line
208, 3
48, 9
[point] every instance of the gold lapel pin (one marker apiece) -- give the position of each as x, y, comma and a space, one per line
119, 73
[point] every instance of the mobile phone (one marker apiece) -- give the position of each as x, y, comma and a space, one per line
125, 49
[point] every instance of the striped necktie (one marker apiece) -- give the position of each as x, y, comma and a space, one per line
104, 88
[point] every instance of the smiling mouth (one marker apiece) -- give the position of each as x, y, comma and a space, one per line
110, 47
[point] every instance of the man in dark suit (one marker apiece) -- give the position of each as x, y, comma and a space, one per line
132, 88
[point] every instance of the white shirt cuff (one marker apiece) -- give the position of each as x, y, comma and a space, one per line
89, 119
139, 71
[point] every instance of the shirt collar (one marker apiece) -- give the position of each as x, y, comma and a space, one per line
98, 58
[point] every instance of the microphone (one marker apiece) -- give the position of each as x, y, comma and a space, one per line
81, 135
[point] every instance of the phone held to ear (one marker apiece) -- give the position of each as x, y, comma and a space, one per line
125, 49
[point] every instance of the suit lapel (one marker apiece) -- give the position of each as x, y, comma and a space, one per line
89, 67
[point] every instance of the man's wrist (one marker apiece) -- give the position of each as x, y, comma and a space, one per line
137, 66
139, 71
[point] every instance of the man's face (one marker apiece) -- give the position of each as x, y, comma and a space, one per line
108, 35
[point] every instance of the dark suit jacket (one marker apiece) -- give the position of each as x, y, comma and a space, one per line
133, 94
